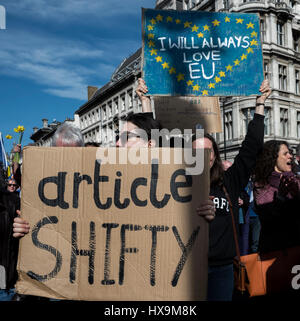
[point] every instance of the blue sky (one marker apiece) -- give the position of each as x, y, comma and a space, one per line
52, 50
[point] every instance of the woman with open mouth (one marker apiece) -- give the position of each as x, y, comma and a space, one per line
277, 197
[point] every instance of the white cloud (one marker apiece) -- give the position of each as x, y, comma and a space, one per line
63, 67
62, 61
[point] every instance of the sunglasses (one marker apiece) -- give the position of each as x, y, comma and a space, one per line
12, 185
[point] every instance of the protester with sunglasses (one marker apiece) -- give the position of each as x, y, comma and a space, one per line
137, 131
12, 186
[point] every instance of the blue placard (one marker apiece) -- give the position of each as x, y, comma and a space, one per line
192, 53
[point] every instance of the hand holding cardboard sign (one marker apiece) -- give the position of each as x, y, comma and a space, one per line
20, 226
207, 209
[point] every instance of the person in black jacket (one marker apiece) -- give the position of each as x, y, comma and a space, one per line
222, 248
9, 245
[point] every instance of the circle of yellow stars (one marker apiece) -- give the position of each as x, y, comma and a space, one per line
200, 32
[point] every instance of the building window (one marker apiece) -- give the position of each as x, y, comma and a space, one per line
297, 82
226, 4
284, 122
130, 99
228, 125
296, 40
109, 109
267, 73
104, 112
282, 74
123, 104
110, 133
267, 120
187, 4
263, 30
116, 106
247, 116
280, 33
104, 134
298, 124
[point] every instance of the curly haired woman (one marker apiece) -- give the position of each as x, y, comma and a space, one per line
277, 197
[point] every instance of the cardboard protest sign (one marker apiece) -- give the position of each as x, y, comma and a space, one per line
192, 53
118, 231
189, 113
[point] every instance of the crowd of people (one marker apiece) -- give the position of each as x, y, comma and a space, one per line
262, 185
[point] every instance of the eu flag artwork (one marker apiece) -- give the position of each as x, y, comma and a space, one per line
190, 53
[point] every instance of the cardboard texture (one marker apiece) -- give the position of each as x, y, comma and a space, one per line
111, 231
199, 53
189, 113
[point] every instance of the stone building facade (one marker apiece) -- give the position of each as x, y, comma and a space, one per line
101, 116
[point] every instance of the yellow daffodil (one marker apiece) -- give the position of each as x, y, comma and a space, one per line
8, 136
19, 129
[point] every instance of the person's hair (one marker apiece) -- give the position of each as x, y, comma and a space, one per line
298, 150
217, 170
92, 144
266, 160
144, 122
69, 134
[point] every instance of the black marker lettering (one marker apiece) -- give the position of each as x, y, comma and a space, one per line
153, 187
154, 229
174, 186
137, 182
77, 180
124, 250
60, 181
109, 227
185, 251
90, 253
52, 250
98, 179
117, 193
